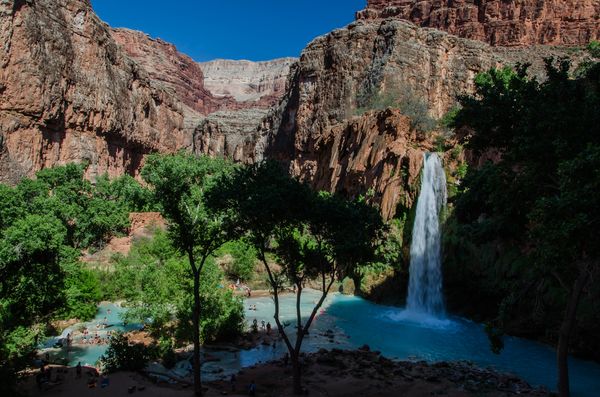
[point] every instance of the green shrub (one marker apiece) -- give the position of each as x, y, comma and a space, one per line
243, 260
122, 355
166, 353
594, 48
407, 100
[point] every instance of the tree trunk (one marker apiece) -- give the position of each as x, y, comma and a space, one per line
297, 374
196, 325
357, 280
565, 334
296, 370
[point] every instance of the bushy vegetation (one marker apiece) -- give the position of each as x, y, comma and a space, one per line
523, 235
126, 356
45, 223
154, 279
407, 100
243, 260
594, 48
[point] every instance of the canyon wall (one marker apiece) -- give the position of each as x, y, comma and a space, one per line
262, 83
499, 22
318, 131
171, 70
68, 93
225, 100
73, 89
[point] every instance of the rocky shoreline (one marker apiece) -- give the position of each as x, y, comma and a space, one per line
325, 373
368, 373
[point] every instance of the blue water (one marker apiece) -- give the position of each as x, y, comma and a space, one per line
355, 322
108, 318
385, 329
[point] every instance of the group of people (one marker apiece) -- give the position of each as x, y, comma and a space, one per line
251, 387
95, 339
263, 326
242, 287
44, 378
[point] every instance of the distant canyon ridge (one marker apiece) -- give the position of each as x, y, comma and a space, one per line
73, 89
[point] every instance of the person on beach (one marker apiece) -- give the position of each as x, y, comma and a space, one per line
232, 382
268, 328
78, 370
252, 389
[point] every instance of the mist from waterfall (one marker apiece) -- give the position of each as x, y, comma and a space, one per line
425, 282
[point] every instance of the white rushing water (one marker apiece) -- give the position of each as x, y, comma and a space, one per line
425, 282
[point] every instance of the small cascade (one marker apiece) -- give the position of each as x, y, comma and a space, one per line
425, 283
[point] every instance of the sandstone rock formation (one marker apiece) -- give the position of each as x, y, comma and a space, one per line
225, 121
499, 22
312, 128
171, 70
262, 83
379, 150
232, 134
69, 94
72, 89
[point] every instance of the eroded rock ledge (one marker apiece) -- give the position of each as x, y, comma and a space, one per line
499, 22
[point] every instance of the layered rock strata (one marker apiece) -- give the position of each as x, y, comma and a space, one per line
231, 134
379, 150
499, 22
347, 69
171, 70
225, 101
261, 83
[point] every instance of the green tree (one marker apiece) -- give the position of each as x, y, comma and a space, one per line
31, 288
128, 192
315, 236
155, 280
537, 199
124, 355
179, 183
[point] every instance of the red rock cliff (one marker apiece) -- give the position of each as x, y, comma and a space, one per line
170, 69
69, 94
316, 131
499, 22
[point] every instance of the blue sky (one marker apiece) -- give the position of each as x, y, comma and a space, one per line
233, 29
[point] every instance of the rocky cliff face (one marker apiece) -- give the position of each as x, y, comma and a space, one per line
339, 72
379, 151
225, 101
171, 70
499, 22
232, 134
72, 89
68, 93
261, 83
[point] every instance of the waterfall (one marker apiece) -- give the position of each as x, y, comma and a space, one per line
425, 283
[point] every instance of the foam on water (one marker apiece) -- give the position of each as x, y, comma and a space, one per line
421, 319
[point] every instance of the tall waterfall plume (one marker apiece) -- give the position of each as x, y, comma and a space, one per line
425, 282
